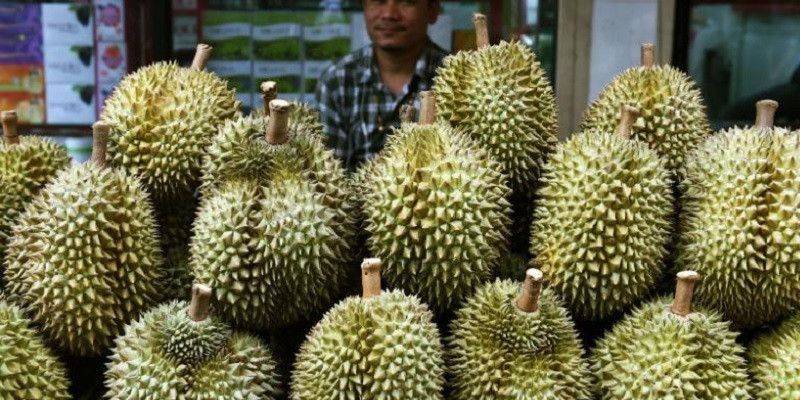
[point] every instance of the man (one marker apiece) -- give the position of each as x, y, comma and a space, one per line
360, 96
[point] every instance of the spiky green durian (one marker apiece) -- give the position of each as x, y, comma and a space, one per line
775, 362
84, 258
740, 223
436, 212
380, 347
673, 120
658, 353
602, 222
167, 355
28, 369
162, 119
498, 351
26, 164
273, 232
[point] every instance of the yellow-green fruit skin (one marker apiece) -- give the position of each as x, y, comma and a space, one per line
273, 233
775, 362
672, 118
497, 351
28, 369
602, 223
655, 354
162, 119
84, 258
166, 355
436, 212
740, 224
500, 96
25, 168
380, 348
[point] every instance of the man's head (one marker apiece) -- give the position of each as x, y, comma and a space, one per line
396, 25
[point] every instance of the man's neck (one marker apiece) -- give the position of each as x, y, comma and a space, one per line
397, 67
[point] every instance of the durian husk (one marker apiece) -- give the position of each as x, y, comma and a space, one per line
775, 362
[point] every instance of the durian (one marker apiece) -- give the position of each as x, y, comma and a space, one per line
436, 211
28, 369
666, 350
382, 346
84, 258
672, 117
740, 224
273, 231
512, 341
162, 118
179, 351
775, 362
602, 221
26, 164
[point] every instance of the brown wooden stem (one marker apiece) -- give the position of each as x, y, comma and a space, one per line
765, 113
201, 56
481, 30
627, 117
201, 302
269, 92
9, 119
648, 58
427, 107
278, 125
528, 299
407, 113
100, 132
682, 304
371, 277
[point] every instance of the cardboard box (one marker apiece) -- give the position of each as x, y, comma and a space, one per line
22, 78
69, 64
112, 62
276, 36
229, 32
70, 104
110, 20
67, 24
30, 107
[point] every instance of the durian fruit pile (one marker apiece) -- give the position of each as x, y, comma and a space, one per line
84, 258
26, 164
740, 224
775, 362
380, 346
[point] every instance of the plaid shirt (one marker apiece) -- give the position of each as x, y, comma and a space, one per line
358, 111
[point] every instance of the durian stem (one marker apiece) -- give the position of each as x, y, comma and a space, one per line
627, 117
100, 131
10, 134
682, 304
278, 125
648, 55
481, 30
371, 277
201, 56
269, 92
427, 107
765, 113
528, 299
407, 112
201, 302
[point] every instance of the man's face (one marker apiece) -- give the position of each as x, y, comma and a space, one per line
399, 24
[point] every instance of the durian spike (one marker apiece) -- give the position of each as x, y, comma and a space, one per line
648, 57
10, 127
201, 56
201, 301
278, 125
682, 304
100, 131
528, 299
427, 107
371, 277
407, 112
269, 92
627, 117
765, 113
481, 30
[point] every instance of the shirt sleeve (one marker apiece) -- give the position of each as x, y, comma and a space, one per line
329, 102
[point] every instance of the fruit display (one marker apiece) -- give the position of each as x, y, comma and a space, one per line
382, 345
435, 209
672, 118
181, 351
512, 341
775, 362
602, 221
665, 349
741, 219
27, 163
84, 258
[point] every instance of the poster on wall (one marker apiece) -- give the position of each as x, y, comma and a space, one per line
22, 61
